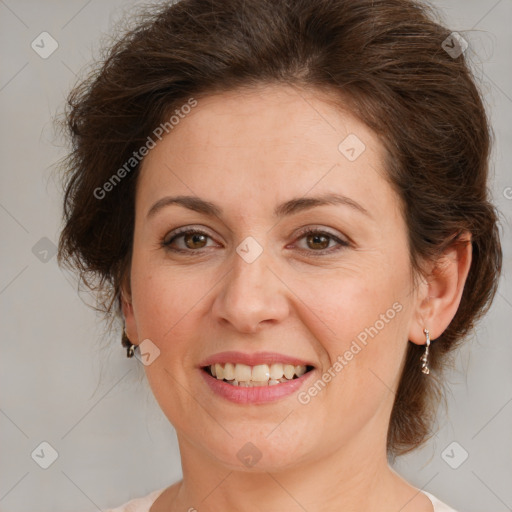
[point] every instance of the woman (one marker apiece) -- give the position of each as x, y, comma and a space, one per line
287, 203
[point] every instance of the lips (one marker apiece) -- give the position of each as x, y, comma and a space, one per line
254, 359
254, 391
257, 394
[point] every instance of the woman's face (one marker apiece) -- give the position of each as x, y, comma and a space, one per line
249, 280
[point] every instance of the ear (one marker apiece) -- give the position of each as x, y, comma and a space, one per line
127, 309
440, 294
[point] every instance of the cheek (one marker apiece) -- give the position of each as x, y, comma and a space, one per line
167, 301
360, 319
356, 304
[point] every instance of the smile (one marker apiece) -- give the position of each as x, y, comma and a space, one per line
238, 374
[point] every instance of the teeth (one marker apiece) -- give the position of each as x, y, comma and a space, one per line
259, 383
300, 370
259, 375
229, 371
276, 371
289, 371
242, 373
251, 384
260, 372
219, 371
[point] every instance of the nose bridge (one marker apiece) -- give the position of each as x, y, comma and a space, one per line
251, 292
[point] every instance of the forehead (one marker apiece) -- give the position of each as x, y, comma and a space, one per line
276, 141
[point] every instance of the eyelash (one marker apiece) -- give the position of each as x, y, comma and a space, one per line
308, 231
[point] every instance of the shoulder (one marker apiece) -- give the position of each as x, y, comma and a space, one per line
439, 506
141, 504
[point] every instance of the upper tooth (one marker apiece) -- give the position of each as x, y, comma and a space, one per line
242, 372
259, 373
219, 371
229, 371
289, 371
276, 371
300, 370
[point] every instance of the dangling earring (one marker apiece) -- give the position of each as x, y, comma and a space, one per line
424, 357
130, 347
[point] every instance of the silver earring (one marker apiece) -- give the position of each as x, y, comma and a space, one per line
130, 347
424, 357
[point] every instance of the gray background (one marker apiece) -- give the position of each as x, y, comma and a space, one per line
66, 382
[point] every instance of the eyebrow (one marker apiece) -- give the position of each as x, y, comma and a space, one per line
287, 208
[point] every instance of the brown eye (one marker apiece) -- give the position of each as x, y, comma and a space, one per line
193, 240
318, 241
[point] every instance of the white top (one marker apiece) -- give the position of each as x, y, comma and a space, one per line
144, 504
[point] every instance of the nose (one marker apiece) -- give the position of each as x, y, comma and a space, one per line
252, 295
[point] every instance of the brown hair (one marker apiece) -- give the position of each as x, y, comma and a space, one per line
385, 60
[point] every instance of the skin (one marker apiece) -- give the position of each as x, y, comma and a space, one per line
247, 152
